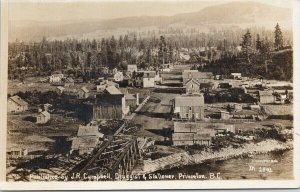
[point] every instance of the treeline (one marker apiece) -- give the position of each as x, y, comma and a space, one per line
151, 48
259, 57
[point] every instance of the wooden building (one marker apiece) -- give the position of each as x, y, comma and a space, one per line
83, 93
266, 97
16, 104
191, 134
201, 77
132, 68
69, 82
88, 137
43, 117
189, 107
143, 79
192, 87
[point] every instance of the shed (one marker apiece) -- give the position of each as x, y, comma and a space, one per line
43, 117
16, 104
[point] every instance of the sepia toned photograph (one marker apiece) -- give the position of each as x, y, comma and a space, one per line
139, 91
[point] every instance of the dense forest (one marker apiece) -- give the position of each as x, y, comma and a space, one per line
252, 52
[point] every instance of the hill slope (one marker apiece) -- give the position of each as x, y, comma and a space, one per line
237, 13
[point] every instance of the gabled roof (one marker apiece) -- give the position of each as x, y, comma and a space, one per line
45, 113
84, 89
189, 101
69, 80
58, 75
265, 93
192, 81
61, 88
132, 66
85, 142
188, 74
18, 100
129, 96
89, 131
113, 90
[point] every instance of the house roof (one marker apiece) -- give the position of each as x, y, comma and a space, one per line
132, 66
69, 80
84, 89
189, 101
236, 74
265, 93
129, 96
113, 90
89, 131
192, 80
108, 100
18, 100
188, 74
45, 113
85, 142
58, 75
60, 88
146, 74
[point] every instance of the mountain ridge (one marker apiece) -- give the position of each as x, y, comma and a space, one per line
230, 13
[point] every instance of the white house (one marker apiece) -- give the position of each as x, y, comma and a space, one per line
118, 77
43, 117
83, 93
144, 79
167, 67
106, 84
132, 68
16, 104
236, 75
60, 89
56, 78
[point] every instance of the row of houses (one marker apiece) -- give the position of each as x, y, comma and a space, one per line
200, 133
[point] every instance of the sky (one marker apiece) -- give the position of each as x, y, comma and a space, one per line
58, 10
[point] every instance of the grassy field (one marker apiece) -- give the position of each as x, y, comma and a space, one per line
27, 134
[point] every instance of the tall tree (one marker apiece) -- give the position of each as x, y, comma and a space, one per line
247, 45
258, 43
162, 49
278, 38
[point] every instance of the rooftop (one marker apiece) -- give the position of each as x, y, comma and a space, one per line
84, 89
18, 100
113, 90
189, 101
85, 142
265, 93
188, 74
45, 113
89, 131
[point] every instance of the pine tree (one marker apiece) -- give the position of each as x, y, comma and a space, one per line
162, 49
247, 45
278, 38
258, 43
